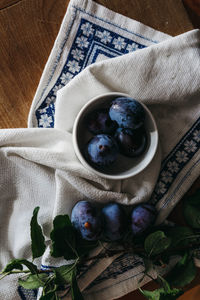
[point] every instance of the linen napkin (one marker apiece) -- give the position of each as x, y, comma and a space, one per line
167, 67
39, 167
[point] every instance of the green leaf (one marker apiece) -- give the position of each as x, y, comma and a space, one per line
67, 274
33, 281
84, 246
147, 264
180, 236
64, 274
194, 199
183, 272
37, 239
174, 294
164, 284
14, 264
191, 210
156, 243
18, 264
50, 287
63, 238
161, 294
50, 290
151, 295
75, 291
50, 296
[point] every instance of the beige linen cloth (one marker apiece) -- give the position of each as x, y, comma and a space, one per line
39, 168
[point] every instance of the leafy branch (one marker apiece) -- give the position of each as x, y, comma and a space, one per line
156, 247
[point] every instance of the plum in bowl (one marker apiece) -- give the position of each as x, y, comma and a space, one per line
115, 136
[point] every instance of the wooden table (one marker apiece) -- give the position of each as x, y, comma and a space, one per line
28, 29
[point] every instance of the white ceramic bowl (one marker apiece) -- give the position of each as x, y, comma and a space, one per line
124, 167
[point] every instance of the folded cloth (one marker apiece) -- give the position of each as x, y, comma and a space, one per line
89, 33
39, 167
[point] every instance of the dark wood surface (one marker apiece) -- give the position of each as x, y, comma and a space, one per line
28, 29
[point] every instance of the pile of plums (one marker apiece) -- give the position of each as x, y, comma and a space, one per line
111, 222
119, 128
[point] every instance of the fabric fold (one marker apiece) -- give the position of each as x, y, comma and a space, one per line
165, 77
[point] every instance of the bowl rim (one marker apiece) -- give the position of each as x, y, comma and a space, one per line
83, 160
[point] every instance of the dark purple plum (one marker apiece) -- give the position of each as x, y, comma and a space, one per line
86, 219
99, 121
114, 222
131, 142
142, 217
127, 112
102, 150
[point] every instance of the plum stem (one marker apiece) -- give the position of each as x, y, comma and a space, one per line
72, 248
87, 225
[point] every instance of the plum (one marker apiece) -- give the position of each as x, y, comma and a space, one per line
127, 112
113, 221
102, 150
131, 142
86, 219
142, 216
98, 121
